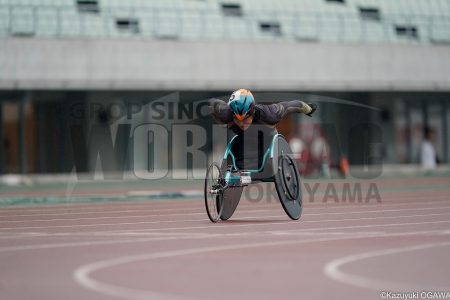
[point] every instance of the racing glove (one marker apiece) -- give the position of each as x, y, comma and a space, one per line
313, 109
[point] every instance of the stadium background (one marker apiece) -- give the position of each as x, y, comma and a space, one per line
71, 68
57, 55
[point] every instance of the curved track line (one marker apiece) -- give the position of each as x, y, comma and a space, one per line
82, 275
332, 269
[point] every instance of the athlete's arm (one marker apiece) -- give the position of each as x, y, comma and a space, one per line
274, 113
297, 106
220, 111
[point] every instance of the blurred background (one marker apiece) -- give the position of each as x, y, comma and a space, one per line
68, 66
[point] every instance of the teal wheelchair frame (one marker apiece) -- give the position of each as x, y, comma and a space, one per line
223, 185
233, 179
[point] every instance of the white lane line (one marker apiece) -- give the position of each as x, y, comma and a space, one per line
93, 207
333, 269
366, 226
203, 213
342, 206
211, 226
95, 210
93, 243
149, 209
362, 208
204, 220
131, 217
199, 235
131, 241
83, 274
286, 222
375, 211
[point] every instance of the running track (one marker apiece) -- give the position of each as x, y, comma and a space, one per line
169, 250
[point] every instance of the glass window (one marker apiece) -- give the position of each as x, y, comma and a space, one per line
370, 13
232, 9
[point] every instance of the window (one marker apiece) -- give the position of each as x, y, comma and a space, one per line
370, 13
88, 6
407, 31
273, 28
126, 24
232, 9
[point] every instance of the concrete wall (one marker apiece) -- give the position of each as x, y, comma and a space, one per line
171, 65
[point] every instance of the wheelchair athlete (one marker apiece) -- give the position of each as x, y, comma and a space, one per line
241, 111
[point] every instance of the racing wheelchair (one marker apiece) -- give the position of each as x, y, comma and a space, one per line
261, 154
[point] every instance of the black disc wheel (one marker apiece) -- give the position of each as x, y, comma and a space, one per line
289, 177
214, 188
287, 184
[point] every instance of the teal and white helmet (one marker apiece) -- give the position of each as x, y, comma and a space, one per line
242, 104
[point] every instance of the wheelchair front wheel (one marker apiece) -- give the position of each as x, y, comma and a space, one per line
213, 192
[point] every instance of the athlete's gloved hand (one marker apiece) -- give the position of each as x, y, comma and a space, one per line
313, 109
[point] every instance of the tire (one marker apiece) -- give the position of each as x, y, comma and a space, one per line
287, 179
231, 198
290, 196
214, 202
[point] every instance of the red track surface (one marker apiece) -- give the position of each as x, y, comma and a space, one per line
169, 250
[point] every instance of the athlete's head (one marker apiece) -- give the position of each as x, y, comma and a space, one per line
242, 104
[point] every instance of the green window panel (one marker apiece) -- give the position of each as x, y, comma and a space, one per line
306, 27
214, 26
440, 30
23, 21
70, 23
47, 21
192, 24
169, 26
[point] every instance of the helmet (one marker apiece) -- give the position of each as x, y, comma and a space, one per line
242, 104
